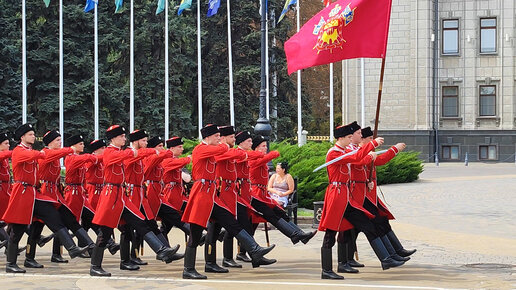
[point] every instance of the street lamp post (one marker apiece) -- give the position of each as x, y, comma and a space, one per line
263, 126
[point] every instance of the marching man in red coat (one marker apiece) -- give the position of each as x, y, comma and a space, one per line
5, 184
340, 212
113, 206
226, 197
24, 204
201, 206
375, 205
261, 201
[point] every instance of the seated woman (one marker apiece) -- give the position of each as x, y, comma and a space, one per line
281, 184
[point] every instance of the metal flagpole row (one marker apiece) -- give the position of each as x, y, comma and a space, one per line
61, 77
24, 65
96, 61
199, 76
299, 120
230, 63
166, 73
131, 73
362, 90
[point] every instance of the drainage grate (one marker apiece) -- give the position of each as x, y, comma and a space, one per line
490, 266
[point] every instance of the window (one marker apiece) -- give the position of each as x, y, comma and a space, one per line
487, 152
487, 101
450, 102
488, 35
450, 44
450, 152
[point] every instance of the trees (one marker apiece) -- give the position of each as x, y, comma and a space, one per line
43, 74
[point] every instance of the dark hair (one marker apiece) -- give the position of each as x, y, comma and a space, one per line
284, 166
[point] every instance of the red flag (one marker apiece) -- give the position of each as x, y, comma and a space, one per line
343, 30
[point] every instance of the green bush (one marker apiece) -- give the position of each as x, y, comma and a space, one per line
405, 167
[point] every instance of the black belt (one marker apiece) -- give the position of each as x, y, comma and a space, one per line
48, 182
74, 184
359, 181
25, 184
259, 185
114, 184
338, 183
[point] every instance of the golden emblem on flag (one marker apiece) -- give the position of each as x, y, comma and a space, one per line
329, 32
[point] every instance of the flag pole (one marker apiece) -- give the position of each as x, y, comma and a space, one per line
24, 65
266, 60
166, 73
379, 99
362, 90
230, 62
342, 92
96, 61
61, 77
199, 72
299, 120
331, 102
131, 72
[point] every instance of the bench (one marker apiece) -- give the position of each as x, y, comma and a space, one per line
291, 207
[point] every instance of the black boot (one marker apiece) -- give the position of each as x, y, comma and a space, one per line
210, 256
351, 247
264, 261
135, 249
125, 257
96, 263
383, 255
255, 251
304, 237
397, 245
163, 253
227, 249
56, 252
164, 240
242, 256
12, 256
327, 267
293, 232
4, 237
68, 243
3, 243
391, 250
343, 266
112, 246
189, 271
221, 235
84, 238
42, 241
30, 253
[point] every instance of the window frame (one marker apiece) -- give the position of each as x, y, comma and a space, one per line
496, 158
480, 95
495, 27
450, 96
448, 158
450, 29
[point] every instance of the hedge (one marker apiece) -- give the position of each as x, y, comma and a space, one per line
405, 167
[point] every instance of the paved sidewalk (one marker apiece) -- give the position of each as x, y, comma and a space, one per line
459, 219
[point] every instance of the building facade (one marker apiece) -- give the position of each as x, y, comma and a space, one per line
450, 80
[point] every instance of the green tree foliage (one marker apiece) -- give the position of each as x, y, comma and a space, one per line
405, 167
114, 40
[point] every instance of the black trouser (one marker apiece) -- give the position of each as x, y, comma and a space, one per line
69, 219
381, 222
170, 217
359, 220
131, 219
272, 215
86, 220
244, 219
221, 216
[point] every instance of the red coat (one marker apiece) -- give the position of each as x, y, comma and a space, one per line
259, 175
75, 194
134, 178
23, 192
5, 181
174, 193
111, 201
153, 175
244, 179
226, 176
372, 194
49, 174
358, 177
200, 203
94, 178
337, 197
